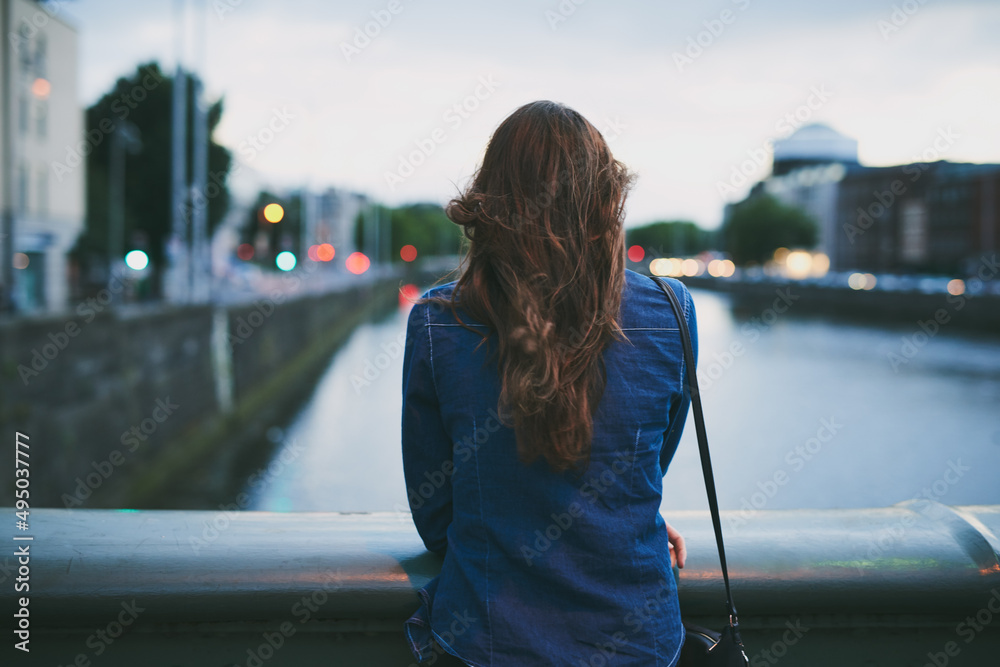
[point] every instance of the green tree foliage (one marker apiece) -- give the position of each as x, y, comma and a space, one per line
144, 99
424, 226
677, 238
760, 225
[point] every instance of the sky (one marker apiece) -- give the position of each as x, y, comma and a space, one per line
685, 93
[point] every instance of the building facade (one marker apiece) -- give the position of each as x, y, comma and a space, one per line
42, 208
931, 217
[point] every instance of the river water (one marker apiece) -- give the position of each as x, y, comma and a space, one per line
801, 413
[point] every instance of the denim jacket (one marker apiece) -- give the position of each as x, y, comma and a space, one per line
545, 568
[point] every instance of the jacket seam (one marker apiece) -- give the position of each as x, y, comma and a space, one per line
482, 519
430, 351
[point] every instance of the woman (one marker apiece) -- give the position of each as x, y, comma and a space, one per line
543, 398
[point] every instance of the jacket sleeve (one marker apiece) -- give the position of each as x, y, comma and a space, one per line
427, 450
678, 411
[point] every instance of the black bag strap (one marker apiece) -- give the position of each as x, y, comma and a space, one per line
699, 423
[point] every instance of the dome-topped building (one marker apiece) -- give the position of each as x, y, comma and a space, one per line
812, 145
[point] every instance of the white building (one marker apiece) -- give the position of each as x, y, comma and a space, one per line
329, 217
808, 167
42, 123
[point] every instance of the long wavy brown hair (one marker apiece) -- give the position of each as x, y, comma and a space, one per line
545, 270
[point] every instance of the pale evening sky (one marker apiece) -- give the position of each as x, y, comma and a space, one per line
890, 74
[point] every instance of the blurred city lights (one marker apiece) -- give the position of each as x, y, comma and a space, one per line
245, 252
357, 263
21, 260
325, 252
137, 260
956, 287
285, 261
408, 294
408, 253
721, 268
798, 264
859, 281
820, 265
274, 213
41, 88
313, 253
692, 267
636, 253
780, 255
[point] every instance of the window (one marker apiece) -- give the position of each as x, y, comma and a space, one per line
43, 192
24, 46
41, 57
42, 118
23, 114
22, 190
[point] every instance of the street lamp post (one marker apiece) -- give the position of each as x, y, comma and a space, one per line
124, 138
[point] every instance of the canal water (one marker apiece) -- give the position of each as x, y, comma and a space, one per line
801, 413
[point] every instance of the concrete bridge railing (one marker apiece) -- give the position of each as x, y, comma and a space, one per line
913, 584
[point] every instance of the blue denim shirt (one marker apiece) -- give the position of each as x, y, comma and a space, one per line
544, 568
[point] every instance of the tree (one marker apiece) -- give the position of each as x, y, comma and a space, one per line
678, 238
424, 226
144, 99
761, 224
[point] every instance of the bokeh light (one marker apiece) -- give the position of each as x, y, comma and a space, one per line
408, 253
636, 253
21, 260
274, 213
41, 88
285, 261
245, 252
798, 264
408, 294
137, 260
357, 263
325, 252
313, 253
859, 281
956, 287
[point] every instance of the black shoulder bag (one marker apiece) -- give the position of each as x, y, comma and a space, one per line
704, 647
